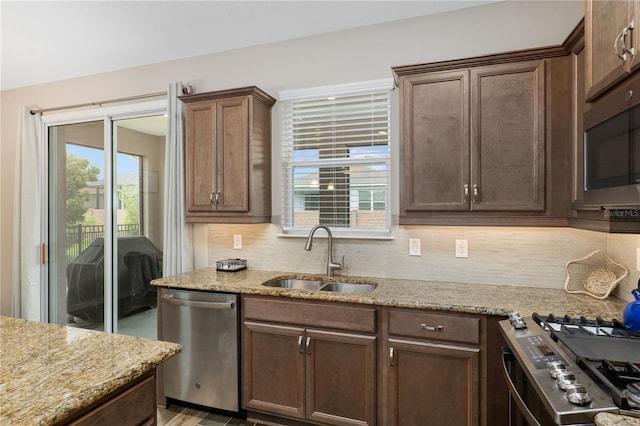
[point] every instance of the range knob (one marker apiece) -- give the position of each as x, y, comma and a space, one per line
556, 367
577, 394
517, 321
565, 378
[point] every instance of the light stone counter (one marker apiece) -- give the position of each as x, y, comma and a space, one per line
50, 372
437, 295
609, 419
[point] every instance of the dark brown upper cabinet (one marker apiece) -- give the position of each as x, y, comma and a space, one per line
611, 43
486, 141
228, 156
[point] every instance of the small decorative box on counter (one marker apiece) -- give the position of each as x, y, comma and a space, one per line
231, 265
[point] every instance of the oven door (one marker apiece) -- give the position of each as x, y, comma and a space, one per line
525, 406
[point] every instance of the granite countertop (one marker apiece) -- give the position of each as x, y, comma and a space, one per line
610, 419
50, 372
437, 295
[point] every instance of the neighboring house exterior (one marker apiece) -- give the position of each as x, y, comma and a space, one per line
95, 205
363, 198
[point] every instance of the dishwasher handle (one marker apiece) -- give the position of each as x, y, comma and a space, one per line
195, 304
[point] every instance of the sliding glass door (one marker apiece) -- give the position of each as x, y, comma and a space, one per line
106, 222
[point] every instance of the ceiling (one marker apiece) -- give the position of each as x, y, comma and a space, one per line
154, 125
44, 41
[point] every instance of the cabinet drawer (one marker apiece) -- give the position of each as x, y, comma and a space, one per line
452, 328
135, 406
310, 314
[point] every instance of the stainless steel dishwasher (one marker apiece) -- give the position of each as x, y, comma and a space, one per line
206, 325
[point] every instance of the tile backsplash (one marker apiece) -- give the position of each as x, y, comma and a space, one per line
497, 255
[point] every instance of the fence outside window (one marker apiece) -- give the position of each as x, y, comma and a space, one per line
79, 237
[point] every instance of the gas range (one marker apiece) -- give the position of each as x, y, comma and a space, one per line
578, 367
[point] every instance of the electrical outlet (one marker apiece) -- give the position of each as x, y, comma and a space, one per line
415, 248
237, 241
462, 248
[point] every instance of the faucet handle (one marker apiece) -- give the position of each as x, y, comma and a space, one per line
336, 265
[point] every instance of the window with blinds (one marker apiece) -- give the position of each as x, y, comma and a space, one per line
336, 159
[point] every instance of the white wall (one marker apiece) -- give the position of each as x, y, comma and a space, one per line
534, 256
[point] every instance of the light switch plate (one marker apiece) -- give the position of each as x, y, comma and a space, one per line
237, 241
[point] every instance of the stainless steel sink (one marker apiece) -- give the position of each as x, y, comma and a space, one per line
341, 287
333, 286
295, 284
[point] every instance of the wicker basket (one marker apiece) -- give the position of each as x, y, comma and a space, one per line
596, 275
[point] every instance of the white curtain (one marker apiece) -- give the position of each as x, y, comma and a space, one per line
177, 246
27, 222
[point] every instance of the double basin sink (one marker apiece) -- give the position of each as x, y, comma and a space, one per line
332, 286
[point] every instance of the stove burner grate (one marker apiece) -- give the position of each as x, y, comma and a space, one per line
620, 373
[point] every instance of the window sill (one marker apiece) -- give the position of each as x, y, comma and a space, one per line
338, 236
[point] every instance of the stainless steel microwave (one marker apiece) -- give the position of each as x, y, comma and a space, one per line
612, 148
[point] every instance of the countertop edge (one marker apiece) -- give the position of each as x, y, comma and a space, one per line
486, 299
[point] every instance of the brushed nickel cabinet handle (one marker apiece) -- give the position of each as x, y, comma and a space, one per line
432, 327
391, 357
300, 347
466, 192
622, 38
476, 193
214, 198
308, 344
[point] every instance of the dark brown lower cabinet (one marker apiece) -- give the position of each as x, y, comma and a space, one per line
322, 363
275, 374
341, 378
319, 376
131, 406
432, 383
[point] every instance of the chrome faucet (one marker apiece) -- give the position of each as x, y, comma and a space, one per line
331, 265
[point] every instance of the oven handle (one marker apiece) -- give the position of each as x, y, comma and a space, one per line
524, 410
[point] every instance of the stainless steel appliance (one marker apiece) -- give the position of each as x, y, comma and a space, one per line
571, 368
612, 147
206, 325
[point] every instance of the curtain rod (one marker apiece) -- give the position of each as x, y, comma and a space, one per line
99, 103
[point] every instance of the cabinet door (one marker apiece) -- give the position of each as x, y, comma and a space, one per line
604, 20
435, 142
633, 38
433, 384
233, 154
341, 378
508, 137
578, 95
274, 369
201, 155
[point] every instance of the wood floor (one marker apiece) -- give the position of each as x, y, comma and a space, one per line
176, 415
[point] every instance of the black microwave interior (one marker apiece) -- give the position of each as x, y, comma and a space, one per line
612, 151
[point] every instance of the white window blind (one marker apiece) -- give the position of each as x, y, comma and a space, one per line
336, 159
